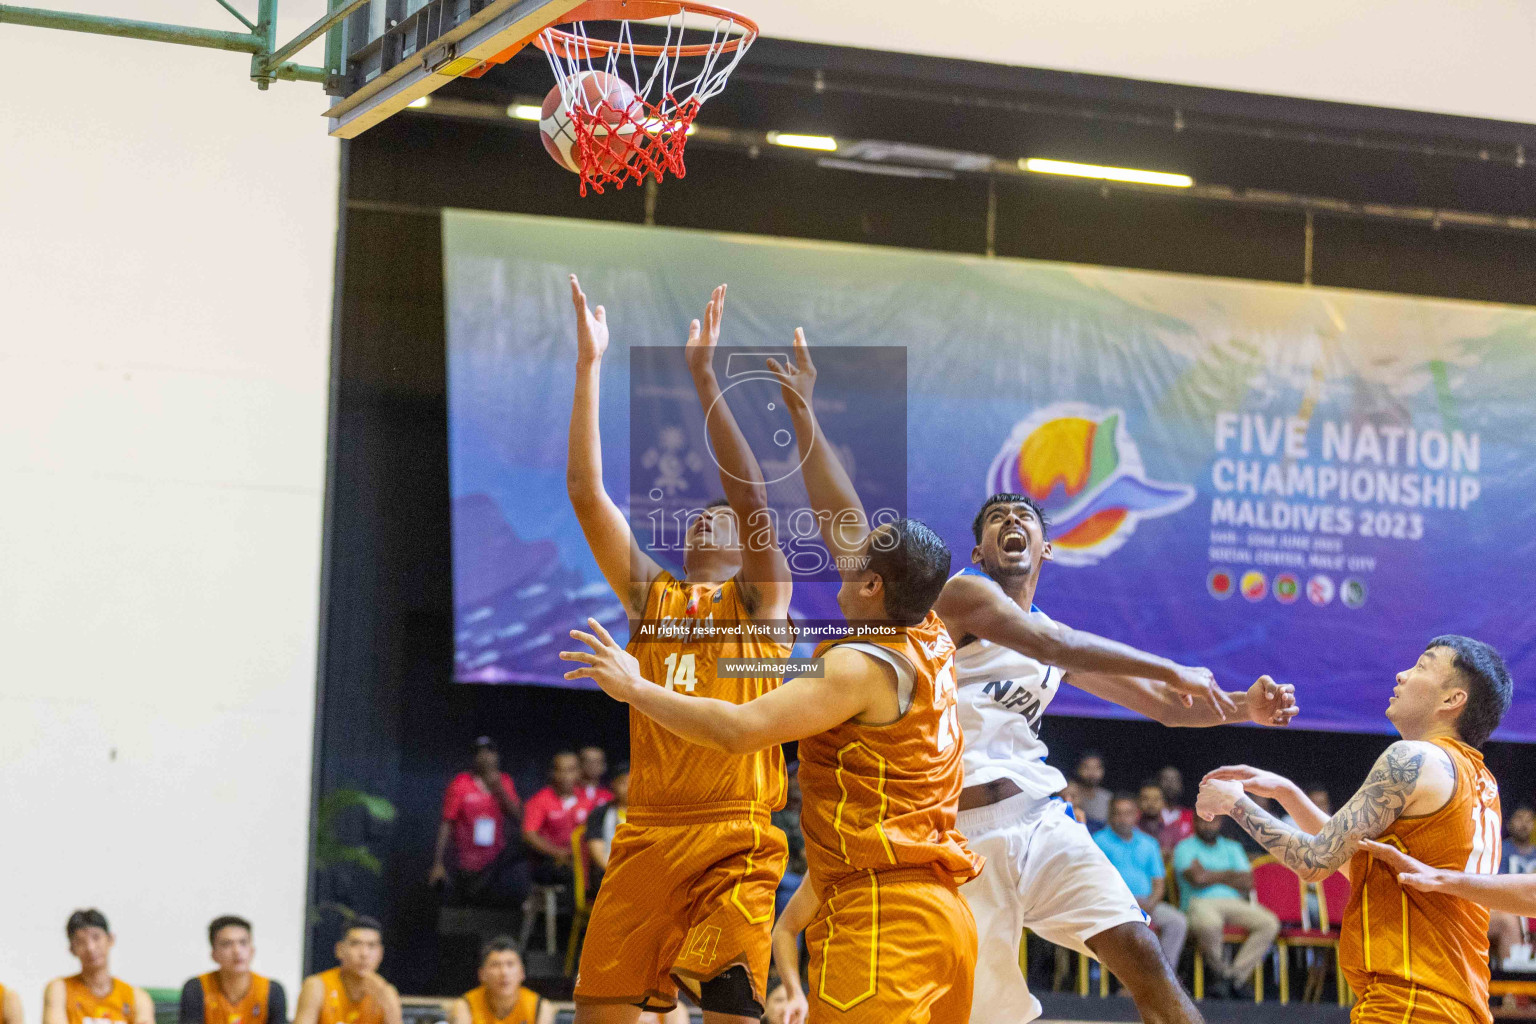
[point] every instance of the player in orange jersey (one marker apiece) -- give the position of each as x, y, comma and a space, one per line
688, 894
1414, 957
93, 996
501, 997
355, 992
233, 994
10, 1006
880, 770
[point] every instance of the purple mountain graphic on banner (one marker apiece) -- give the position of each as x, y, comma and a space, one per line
516, 600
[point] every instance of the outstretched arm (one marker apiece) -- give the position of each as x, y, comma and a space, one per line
1513, 894
1308, 816
628, 569
851, 685
1156, 687
1408, 777
839, 512
765, 579
797, 914
1266, 702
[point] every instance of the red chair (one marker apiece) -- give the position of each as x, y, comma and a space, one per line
1282, 891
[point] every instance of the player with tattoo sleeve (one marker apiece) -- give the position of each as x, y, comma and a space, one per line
1419, 954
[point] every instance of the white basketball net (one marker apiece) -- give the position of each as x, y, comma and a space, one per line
671, 87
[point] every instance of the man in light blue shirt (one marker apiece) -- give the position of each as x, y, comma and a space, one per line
1214, 882
1139, 860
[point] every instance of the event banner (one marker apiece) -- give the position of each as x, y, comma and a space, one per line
1258, 478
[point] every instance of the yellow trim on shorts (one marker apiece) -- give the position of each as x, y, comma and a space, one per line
1413, 996
874, 951
757, 835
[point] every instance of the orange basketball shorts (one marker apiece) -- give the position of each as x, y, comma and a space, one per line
892, 946
1395, 1001
688, 894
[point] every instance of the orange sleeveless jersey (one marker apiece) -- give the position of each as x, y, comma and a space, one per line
82, 1006
524, 1011
1425, 940
665, 769
877, 797
250, 1010
338, 1007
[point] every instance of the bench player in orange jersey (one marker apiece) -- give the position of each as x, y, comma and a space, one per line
880, 769
355, 992
93, 996
10, 1006
688, 894
501, 997
1414, 957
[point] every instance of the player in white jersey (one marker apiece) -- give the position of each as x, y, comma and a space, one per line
1044, 872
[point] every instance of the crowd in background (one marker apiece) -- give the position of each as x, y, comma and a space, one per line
493, 847
1192, 879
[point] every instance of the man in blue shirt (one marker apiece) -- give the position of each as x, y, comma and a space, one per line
1506, 931
1214, 882
1139, 860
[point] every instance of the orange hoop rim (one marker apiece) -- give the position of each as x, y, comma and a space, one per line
644, 10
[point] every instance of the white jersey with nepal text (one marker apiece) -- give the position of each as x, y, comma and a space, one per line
1002, 697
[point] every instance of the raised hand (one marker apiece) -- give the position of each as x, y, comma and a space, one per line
702, 340
609, 665
1217, 796
1410, 872
1254, 780
1199, 684
591, 326
1272, 703
797, 379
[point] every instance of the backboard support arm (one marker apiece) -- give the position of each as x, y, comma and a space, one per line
269, 62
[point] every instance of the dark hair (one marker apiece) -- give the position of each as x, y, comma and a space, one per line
622, 768
913, 568
717, 503
561, 753
499, 944
1149, 783
89, 918
1085, 755
218, 924
1009, 498
1489, 689
1123, 795
362, 921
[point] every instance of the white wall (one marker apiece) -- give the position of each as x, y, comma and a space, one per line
1468, 57
166, 258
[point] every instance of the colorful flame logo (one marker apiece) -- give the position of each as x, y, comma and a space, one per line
1082, 466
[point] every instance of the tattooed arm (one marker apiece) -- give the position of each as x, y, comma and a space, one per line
1409, 777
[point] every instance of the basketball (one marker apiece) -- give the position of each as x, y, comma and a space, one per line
610, 101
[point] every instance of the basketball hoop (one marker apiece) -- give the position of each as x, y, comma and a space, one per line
615, 137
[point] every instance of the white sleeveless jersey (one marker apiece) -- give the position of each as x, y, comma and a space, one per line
1002, 697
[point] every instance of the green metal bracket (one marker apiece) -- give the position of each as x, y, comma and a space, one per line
153, 31
269, 63
238, 16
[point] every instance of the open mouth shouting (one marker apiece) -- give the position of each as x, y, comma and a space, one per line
1013, 541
